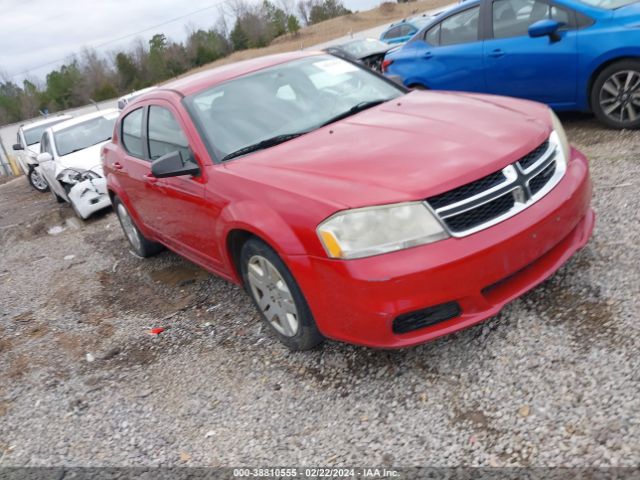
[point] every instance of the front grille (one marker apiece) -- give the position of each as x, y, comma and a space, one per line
409, 322
532, 157
500, 195
468, 190
540, 180
483, 213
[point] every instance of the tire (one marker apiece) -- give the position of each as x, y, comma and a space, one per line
141, 246
37, 181
278, 297
615, 95
57, 197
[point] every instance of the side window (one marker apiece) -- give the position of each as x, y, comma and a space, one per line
512, 18
392, 33
460, 28
407, 30
433, 36
165, 135
132, 133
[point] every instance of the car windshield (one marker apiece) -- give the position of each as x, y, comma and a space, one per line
362, 48
608, 4
34, 134
83, 135
276, 104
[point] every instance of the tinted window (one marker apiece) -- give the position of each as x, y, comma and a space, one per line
433, 36
460, 28
512, 18
132, 133
33, 135
165, 134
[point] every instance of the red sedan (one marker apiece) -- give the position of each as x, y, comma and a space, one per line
346, 206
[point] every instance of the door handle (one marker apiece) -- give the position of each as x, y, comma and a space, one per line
497, 53
427, 55
117, 165
150, 178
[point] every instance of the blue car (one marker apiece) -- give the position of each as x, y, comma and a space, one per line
572, 55
402, 31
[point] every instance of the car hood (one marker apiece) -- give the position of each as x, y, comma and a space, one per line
33, 149
87, 159
415, 146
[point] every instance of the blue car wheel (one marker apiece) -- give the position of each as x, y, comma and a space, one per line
615, 96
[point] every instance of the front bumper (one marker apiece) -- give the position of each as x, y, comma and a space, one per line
356, 301
89, 196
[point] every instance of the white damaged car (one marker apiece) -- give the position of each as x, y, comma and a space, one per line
69, 160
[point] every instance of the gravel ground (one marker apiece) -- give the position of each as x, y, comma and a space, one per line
552, 381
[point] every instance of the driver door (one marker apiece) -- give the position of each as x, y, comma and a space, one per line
541, 69
183, 218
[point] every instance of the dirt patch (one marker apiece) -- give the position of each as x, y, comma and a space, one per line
179, 275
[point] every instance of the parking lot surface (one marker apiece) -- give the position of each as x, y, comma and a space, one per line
553, 380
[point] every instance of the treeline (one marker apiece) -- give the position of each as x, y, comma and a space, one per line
89, 76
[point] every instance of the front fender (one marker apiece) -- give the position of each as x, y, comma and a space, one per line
260, 220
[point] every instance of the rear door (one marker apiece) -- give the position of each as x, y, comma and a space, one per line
541, 69
450, 55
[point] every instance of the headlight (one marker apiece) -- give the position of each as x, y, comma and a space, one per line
560, 136
73, 176
364, 232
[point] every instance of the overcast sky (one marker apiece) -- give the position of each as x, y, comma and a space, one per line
37, 32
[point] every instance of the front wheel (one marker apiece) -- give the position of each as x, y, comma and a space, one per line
615, 95
142, 246
37, 181
277, 295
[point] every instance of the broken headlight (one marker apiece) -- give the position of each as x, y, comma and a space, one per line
73, 176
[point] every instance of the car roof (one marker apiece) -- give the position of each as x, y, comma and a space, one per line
198, 81
83, 118
45, 121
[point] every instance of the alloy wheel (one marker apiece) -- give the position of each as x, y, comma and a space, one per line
620, 96
38, 180
129, 228
272, 295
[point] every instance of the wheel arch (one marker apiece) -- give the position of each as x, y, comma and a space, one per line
246, 220
602, 66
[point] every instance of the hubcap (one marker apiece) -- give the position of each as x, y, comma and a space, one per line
129, 228
620, 96
272, 295
37, 180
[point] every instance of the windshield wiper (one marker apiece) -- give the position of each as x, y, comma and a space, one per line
269, 142
355, 109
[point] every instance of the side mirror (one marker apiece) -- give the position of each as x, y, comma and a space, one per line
544, 28
173, 165
17, 146
44, 157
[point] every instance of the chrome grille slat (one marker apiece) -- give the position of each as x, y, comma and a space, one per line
500, 195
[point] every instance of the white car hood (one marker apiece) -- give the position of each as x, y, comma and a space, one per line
87, 159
